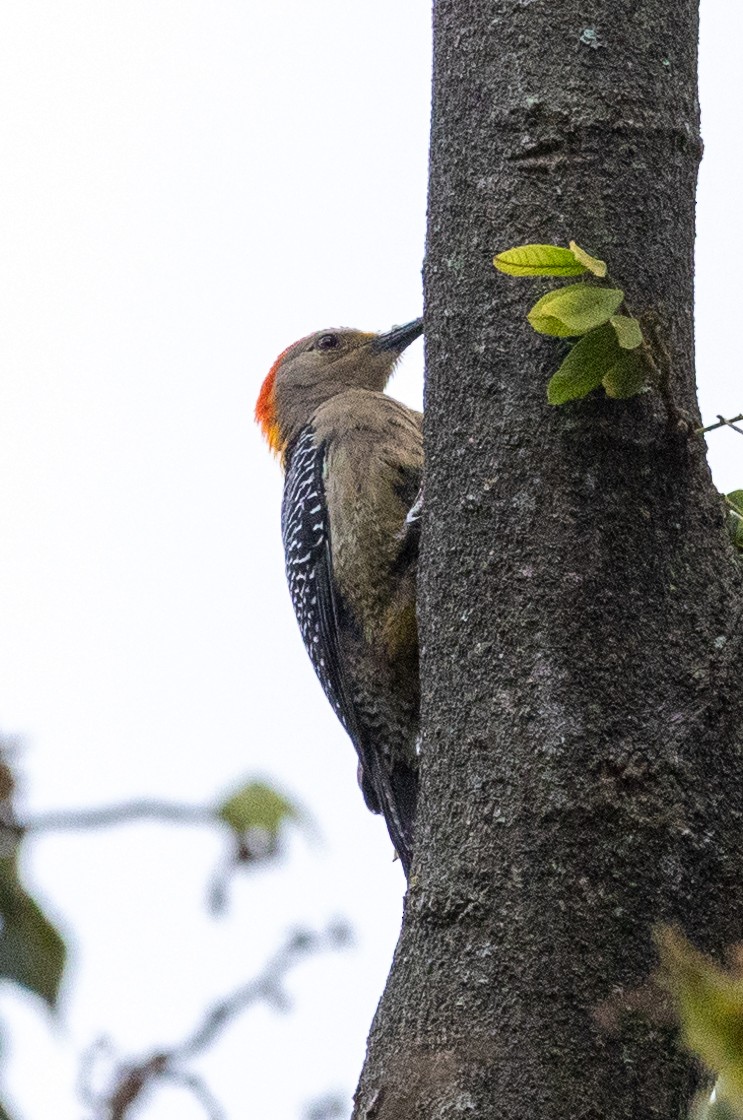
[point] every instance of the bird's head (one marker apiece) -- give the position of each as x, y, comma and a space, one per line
318, 367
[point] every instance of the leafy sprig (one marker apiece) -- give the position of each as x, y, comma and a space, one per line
610, 348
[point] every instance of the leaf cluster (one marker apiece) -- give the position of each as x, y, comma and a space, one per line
610, 349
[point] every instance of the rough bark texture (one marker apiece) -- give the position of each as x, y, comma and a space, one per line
580, 606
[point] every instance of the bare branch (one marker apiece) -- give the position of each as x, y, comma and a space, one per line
721, 422
730, 423
66, 820
266, 987
131, 1083
131, 1080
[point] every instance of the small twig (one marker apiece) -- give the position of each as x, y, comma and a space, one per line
721, 422
198, 1089
657, 359
132, 1079
731, 424
92, 1054
267, 986
662, 371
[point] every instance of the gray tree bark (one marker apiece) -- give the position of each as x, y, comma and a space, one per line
580, 605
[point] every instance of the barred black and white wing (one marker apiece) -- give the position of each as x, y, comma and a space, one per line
322, 616
304, 530
309, 573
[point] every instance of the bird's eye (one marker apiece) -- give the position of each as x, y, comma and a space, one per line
327, 342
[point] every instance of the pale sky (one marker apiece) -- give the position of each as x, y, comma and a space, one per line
186, 188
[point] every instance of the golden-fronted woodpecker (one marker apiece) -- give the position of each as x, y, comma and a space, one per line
353, 459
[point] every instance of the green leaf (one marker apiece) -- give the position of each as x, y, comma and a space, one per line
629, 334
4, 1114
585, 366
593, 264
32, 953
256, 806
735, 528
709, 1001
734, 501
627, 377
539, 260
574, 309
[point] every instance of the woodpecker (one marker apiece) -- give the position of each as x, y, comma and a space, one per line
353, 462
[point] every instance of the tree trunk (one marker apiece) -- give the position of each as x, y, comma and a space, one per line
580, 605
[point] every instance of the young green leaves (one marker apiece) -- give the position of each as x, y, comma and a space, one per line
548, 260
610, 350
596, 359
574, 310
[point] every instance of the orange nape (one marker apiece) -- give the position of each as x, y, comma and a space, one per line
265, 406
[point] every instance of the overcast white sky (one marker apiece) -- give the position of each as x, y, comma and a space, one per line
186, 188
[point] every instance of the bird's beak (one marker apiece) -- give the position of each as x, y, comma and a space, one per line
399, 337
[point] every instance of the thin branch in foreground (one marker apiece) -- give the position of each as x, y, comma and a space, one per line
721, 422
130, 1080
248, 844
67, 820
